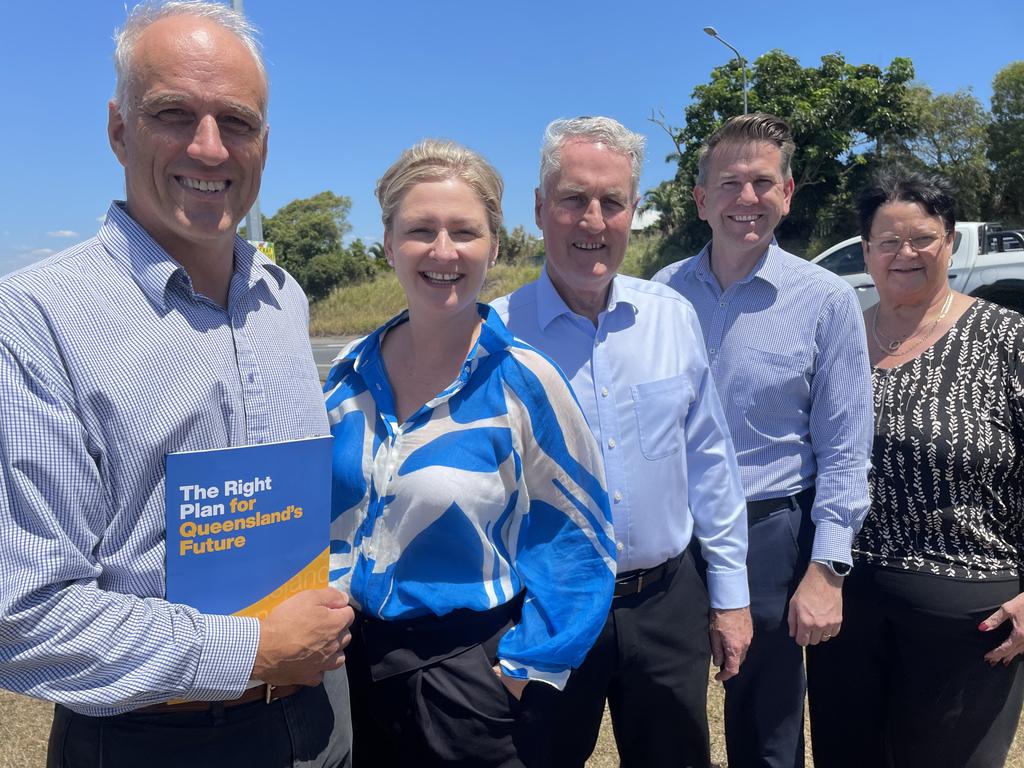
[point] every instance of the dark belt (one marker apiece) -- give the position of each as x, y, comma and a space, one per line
265, 693
760, 509
632, 582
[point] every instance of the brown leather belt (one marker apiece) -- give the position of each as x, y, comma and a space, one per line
265, 693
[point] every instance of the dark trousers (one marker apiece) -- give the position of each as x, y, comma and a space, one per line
651, 662
905, 684
309, 729
424, 693
764, 703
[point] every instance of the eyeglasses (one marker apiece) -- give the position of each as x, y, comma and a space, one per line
890, 246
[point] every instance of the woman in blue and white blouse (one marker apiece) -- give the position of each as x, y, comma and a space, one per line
470, 523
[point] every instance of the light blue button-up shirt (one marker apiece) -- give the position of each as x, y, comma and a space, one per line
108, 362
642, 378
789, 355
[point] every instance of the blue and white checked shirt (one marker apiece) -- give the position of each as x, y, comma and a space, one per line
643, 381
492, 487
789, 356
109, 361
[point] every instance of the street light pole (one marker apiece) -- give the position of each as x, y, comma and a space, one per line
743, 63
253, 219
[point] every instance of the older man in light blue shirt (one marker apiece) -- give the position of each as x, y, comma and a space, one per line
634, 355
788, 352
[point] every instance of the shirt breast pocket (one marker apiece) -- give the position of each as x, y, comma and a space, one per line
661, 407
772, 390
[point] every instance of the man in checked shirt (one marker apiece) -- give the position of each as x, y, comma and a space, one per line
165, 332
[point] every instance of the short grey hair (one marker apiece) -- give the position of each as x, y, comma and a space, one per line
597, 130
146, 13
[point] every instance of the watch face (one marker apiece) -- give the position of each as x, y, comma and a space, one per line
840, 569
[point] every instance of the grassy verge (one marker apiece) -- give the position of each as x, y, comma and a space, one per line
358, 309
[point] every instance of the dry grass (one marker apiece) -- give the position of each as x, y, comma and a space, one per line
359, 309
25, 724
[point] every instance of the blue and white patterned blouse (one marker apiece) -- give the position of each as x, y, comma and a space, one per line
493, 487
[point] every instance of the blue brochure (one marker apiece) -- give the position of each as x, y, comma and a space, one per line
248, 527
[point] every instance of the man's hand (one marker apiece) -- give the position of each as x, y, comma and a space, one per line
303, 637
1012, 611
731, 630
514, 684
816, 609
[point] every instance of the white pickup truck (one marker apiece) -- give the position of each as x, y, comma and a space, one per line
988, 261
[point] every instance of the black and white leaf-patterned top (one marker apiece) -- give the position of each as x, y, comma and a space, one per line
947, 483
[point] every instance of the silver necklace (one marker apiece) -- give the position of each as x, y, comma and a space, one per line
893, 346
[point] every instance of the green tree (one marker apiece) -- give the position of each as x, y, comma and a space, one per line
952, 138
306, 229
518, 245
1006, 137
842, 116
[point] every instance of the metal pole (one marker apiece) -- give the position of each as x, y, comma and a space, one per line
253, 219
743, 62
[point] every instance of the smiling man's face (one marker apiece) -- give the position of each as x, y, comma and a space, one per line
586, 212
192, 139
744, 197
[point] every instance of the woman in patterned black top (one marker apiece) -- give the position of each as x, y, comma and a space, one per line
927, 668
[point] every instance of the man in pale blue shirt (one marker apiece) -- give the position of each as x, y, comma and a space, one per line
786, 344
632, 351
166, 332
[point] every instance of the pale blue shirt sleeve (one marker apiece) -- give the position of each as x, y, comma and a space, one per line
841, 425
717, 504
62, 638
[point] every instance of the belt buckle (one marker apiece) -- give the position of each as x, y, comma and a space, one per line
640, 581
269, 696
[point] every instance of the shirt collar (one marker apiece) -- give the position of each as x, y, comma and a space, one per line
768, 268
153, 268
551, 305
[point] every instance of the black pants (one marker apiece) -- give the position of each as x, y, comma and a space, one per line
309, 729
424, 693
905, 684
651, 662
764, 703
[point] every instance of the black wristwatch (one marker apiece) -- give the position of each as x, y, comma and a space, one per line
838, 568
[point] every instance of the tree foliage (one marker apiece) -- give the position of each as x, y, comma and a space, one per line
518, 246
1006, 137
951, 137
308, 238
839, 113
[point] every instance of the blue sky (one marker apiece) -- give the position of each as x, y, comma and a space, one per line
354, 83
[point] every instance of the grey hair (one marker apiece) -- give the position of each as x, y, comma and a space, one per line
146, 13
598, 130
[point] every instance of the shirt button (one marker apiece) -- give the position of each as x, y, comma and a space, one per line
604, 391
611, 442
619, 546
617, 496
252, 377
721, 303
712, 351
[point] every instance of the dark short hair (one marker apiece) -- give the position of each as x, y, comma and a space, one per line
742, 129
901, 185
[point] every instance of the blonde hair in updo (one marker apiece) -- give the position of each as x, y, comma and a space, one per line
440, 160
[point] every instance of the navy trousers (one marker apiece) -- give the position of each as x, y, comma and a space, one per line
764, 703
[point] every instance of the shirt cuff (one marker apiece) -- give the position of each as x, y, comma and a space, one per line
832, 542
525, 672
226, 659
728, 589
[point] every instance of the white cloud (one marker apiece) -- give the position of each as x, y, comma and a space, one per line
40, 252
63, 233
